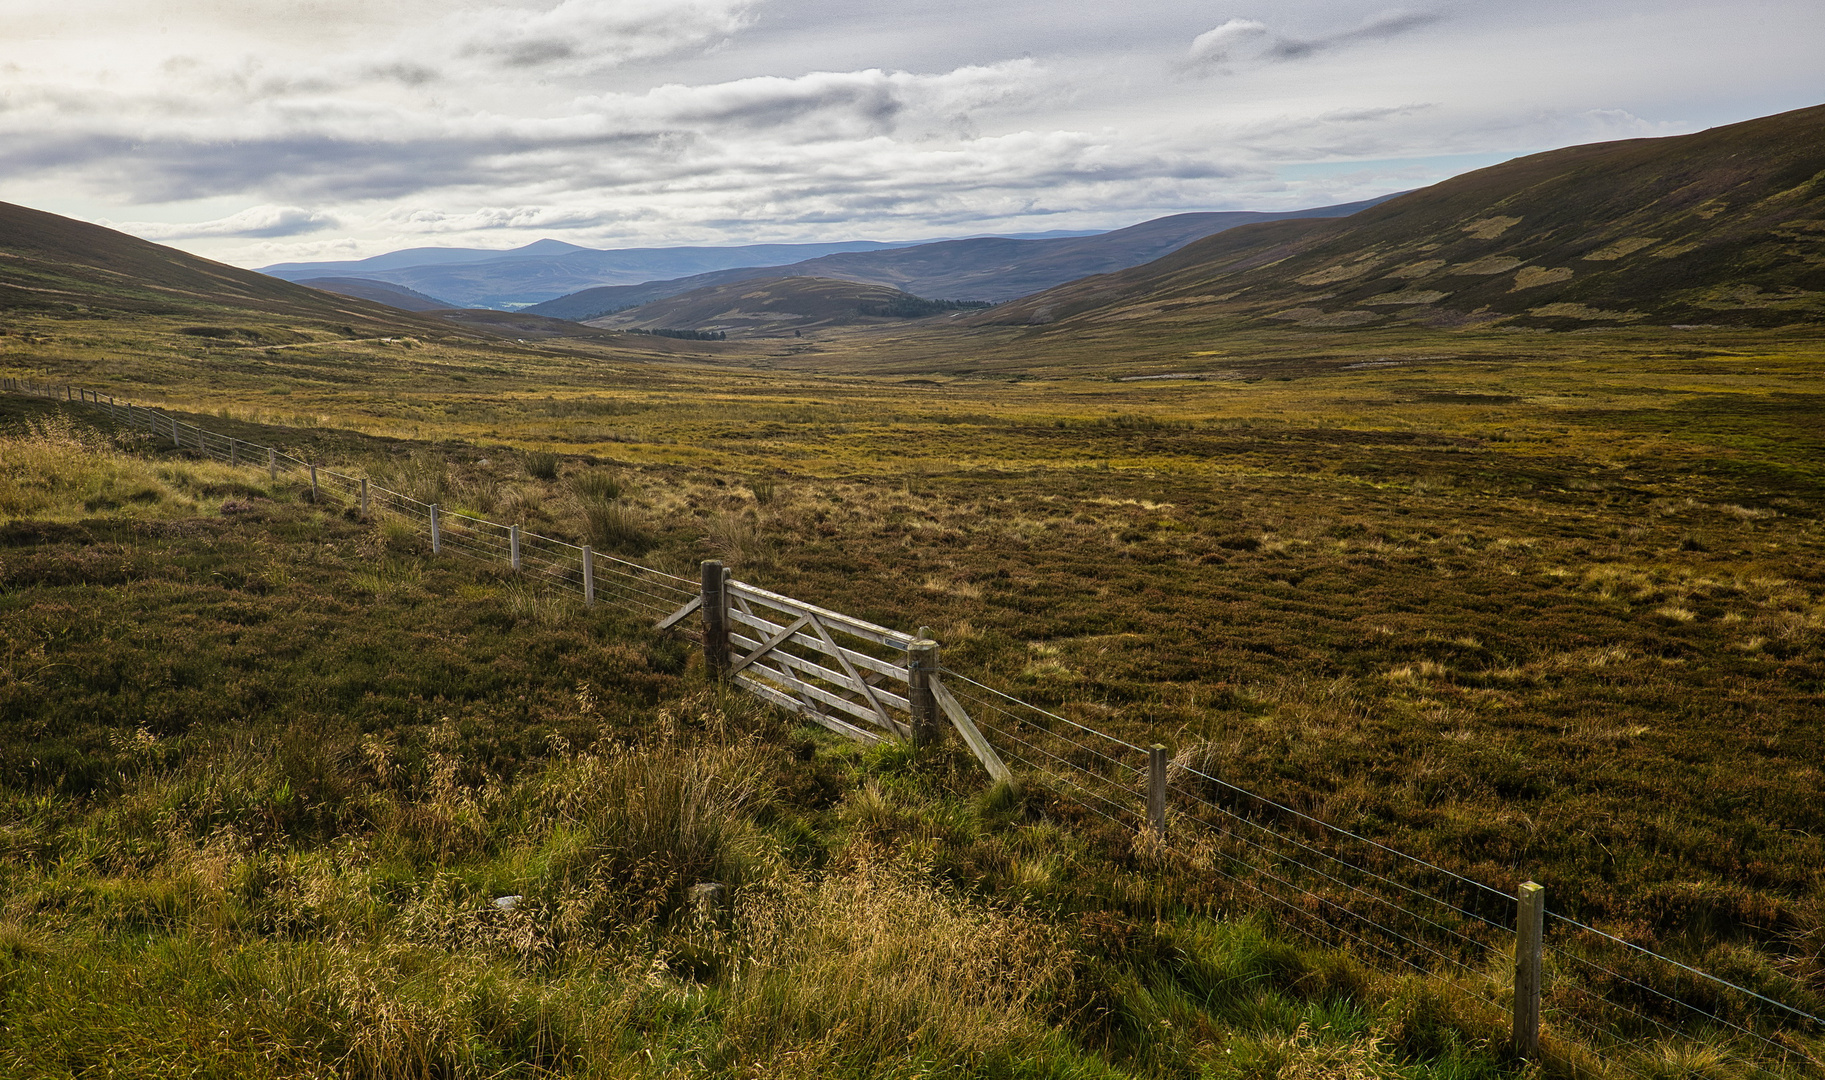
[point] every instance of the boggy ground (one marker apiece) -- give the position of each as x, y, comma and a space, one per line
281, 796
1536, 606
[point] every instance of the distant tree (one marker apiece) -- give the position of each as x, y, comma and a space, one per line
686, 335
913, 307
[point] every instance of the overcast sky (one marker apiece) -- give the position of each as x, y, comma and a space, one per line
256, 131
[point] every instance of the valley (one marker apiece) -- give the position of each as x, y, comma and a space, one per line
1527, 596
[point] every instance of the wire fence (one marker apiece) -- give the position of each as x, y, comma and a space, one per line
1609, 1006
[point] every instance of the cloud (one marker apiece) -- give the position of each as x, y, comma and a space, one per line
831, 104
1246, 39
594, 33
1221, 45
255, 222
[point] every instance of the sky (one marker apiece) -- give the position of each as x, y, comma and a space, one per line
261, 131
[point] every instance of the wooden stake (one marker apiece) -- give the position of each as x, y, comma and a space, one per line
921, 665
1156, 789
589, 577
313, 483
1530, 935
364, 496
437, 536
513, 544
272, 463
715, 619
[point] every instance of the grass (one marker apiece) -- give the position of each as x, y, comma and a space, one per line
1547, 607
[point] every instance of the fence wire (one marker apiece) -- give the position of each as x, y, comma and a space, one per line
1632, 1007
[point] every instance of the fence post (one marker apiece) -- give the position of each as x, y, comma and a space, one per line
715, 620
364, 496
272, 462
1156, 789
313, 483
589, 577
921, 665
513, 541
1530, 933
437, 536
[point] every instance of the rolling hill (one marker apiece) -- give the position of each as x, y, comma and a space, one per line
1725, 226
983, 268
550, 268
381, 292
773, 307
59, 265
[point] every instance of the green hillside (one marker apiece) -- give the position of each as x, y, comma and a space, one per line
55, 265
774, 307
1723, 227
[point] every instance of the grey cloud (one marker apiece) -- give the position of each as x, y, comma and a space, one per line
1392, 24
596, 32
313, 166
1247, 39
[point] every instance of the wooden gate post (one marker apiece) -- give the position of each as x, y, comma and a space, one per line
1156, 789
1530, 933
921, 665
715, 620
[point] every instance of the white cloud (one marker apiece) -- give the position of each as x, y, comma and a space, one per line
493, 122
254, 222
1220, 46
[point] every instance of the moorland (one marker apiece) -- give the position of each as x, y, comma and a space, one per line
1526, 601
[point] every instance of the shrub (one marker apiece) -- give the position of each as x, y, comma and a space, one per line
542, 465
596, 485
616, 526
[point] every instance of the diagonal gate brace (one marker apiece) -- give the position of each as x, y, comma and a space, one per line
967, 728
770, 644
677, 616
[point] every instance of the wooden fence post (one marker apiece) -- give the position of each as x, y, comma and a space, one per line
1156, 789
313, 483
513, 546
715, 620
437, 538
1530, 934
589, 577
364, 496
272, 462
921, 665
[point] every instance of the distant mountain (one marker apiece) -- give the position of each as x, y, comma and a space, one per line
412, 257
381, 292
773, 307
53, 263
1725, 226
551, 268
981, 268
